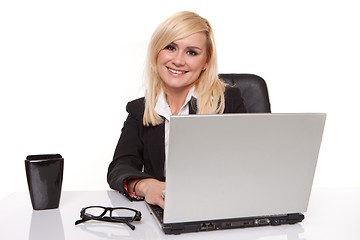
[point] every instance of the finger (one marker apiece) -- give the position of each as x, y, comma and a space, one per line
162, 203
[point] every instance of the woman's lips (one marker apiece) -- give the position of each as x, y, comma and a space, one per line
174, 71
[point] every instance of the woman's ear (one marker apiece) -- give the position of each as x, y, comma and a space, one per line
205, 66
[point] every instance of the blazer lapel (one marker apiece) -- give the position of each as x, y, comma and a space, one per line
155, 137
192, 106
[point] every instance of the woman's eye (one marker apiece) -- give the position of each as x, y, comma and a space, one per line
192, 53
169, 47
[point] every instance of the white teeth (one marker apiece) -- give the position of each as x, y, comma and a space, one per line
175, 71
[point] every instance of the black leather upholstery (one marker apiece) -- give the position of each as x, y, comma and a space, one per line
253, 89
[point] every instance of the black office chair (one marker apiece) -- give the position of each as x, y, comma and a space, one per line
253, 89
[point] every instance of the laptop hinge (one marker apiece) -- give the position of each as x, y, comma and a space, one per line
176, 228
295, 218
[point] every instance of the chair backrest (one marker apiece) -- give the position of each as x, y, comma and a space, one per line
253, 89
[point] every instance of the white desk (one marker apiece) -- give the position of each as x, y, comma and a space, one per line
332, 214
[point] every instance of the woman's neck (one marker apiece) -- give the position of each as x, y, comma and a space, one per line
176, 100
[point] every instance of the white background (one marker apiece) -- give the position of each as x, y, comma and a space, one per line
68, 68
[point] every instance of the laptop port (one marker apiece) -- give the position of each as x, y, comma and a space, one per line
211, 226
207, 226
203, 227
262, 221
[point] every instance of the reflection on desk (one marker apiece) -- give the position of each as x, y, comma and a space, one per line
19, 221
46, 225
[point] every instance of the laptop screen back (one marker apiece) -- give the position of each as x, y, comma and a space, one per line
240, 165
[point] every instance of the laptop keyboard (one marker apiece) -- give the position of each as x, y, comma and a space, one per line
158, 211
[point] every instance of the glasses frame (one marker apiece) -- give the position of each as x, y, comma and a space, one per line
127, 220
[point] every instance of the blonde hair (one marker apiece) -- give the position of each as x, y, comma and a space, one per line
209, 88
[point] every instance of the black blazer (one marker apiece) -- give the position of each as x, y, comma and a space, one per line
140, 152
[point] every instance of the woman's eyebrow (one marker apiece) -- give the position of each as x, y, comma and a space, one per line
188, 47
194, 47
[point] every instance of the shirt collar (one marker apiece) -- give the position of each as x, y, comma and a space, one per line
162, 107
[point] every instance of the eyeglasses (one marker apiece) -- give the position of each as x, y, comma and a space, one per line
118, 214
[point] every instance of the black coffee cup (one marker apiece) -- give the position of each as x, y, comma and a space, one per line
44, 176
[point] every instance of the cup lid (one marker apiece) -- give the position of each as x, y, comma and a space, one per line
43, 156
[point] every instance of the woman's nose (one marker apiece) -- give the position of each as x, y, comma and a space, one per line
178, 59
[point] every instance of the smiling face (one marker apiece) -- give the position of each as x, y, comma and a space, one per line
180, 63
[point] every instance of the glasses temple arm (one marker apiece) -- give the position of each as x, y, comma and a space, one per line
130, 225
81, 221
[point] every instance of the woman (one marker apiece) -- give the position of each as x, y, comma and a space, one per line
182, 78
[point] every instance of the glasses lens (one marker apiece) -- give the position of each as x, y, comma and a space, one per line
123, 213
94, 211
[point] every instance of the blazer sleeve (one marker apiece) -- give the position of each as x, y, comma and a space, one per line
127, 162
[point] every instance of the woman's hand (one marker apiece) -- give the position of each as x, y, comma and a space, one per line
149, 188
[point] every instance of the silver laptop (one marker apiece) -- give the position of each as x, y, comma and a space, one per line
239, 170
